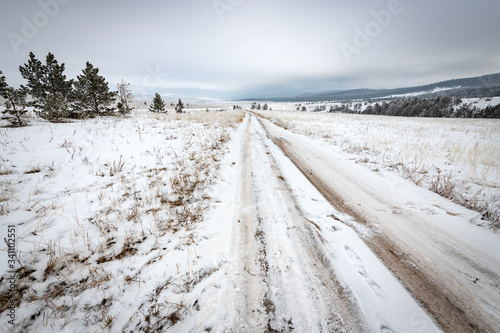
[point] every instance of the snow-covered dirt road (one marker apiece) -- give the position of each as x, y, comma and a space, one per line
449, 265
294, 263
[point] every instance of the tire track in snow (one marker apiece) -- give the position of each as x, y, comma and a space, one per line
249, 259
286, 282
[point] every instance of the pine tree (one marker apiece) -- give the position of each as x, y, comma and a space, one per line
56, 108
33, 72
158, 104
15, 103
46, 84
56, 80
92, 93
179, 107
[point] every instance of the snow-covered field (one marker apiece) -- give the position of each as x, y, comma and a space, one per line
214, 221
458, 158
106, 213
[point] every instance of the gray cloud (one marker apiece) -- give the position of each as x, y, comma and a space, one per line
243, 48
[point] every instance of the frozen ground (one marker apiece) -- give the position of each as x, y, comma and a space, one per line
210, 222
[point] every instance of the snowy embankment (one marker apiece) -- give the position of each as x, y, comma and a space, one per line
456, 158
107, 213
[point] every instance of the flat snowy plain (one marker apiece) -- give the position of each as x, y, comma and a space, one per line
223, 221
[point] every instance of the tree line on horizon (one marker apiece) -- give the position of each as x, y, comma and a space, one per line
439, 107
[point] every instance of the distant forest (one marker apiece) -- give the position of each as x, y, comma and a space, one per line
439, 107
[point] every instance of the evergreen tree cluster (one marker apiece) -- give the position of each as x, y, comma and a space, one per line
319, 108
55, 98
257, 106
439, 107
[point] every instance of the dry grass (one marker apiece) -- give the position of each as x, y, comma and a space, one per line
116, 167
33, 169
226, 118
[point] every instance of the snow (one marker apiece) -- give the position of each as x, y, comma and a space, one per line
384, 303
420, 93
482, 103
102, 208
199, 221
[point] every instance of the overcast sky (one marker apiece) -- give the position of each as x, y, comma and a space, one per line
256, 48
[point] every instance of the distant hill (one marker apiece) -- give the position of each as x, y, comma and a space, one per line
487, 86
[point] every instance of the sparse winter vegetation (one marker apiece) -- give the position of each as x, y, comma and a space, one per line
106, 212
